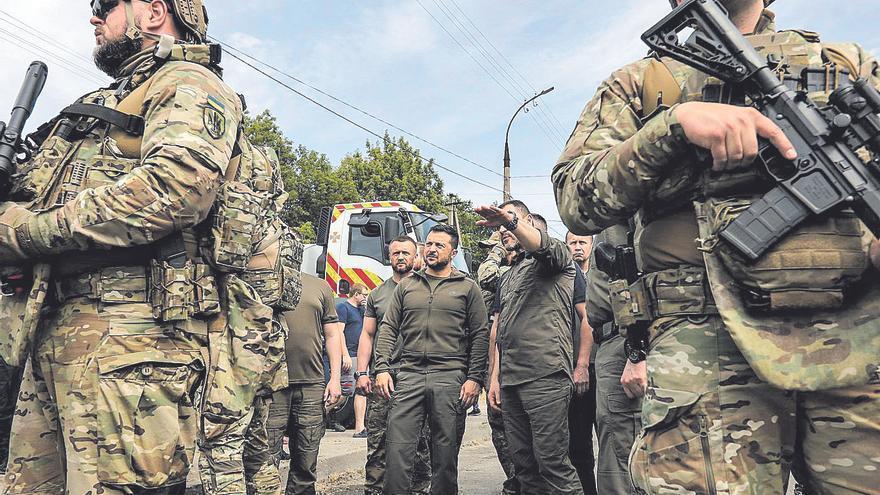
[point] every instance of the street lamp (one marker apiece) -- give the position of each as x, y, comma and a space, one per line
507, 137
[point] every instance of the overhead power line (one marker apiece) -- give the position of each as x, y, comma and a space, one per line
356, 124
481, 48
506, 60
357, 109
544, 124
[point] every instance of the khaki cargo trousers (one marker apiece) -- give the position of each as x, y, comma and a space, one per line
712, 427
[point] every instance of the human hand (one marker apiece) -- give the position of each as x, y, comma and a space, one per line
494, 216
346, 362
385, 385
581, 379
730, 133
470, 392
364, 385
332, 393
634, 379
495, 395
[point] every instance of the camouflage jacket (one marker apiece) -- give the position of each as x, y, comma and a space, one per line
105, 200
618, 160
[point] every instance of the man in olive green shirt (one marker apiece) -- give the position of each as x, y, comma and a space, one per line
299, 409
440, 318
532, 377
402, 252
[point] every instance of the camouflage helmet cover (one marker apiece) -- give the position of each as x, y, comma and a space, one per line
674, 3
192, 17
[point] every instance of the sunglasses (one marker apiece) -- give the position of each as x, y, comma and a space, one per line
101, 8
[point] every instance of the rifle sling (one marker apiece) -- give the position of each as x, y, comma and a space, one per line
133, 125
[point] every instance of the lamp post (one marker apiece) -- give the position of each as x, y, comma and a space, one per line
507, 138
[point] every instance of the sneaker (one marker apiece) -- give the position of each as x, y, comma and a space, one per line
361, 434
338, 428
284, 455
475, 412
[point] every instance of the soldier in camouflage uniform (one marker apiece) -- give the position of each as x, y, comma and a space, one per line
110, 398
402, 252
736, 398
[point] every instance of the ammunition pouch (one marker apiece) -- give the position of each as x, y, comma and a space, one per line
175, 294
273, 270
674, 292
810, 268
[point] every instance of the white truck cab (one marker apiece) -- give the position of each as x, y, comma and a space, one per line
352, 240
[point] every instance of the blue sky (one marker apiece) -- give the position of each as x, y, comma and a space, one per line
392, 59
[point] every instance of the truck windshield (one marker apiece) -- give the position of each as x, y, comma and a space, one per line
422, 223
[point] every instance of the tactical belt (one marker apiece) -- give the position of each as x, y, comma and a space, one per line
679, 292
113, 284
674, 292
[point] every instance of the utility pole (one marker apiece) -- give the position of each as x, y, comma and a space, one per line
507, 139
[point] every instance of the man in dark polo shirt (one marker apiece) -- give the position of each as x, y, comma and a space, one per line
536, 355
403, 253
299, 409
440, 318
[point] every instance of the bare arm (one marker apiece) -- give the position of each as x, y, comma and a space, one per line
365, 343
582, 358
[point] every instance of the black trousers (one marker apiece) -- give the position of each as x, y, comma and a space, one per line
581, 418
420, 397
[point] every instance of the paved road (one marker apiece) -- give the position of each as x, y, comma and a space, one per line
341, 462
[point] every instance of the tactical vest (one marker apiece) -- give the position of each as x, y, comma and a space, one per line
815, 264
243, 235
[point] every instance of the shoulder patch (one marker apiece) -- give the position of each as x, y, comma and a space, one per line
215, 120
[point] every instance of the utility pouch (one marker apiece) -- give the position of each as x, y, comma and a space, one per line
171, 291
630, 304
810, 268
206, 298
238, 213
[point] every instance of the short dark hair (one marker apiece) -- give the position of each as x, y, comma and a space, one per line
540, 221
449, 230
404, 238
517, 205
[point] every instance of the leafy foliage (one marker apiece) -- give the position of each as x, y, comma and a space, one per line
386, 170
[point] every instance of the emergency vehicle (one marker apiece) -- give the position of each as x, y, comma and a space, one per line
352, 239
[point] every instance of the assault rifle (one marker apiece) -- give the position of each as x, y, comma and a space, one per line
828, 172
12, 146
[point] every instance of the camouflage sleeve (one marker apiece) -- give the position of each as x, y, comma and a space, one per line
612, 160
191, 122
388, 330
490, 270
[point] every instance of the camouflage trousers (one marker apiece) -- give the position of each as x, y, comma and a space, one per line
107, 404
502, 450
711, 426
298, 412
377, 425
239, 461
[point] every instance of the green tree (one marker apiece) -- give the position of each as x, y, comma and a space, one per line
392, 169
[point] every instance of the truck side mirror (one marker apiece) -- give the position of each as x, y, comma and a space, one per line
392, 229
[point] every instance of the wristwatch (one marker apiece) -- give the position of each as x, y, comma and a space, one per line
636, 353
359, 374
511, 226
